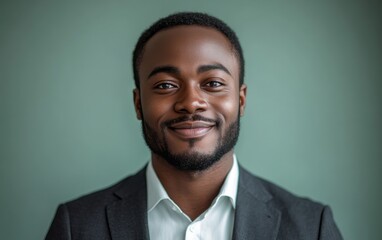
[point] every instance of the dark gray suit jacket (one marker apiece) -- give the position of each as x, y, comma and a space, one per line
264, 211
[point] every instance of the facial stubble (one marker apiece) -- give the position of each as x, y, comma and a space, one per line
192, 160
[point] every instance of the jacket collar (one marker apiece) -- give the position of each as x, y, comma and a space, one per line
254, 216
128, 217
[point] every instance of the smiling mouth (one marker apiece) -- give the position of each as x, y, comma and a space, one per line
191, 129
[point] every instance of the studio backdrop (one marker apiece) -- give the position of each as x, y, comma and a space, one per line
312, 122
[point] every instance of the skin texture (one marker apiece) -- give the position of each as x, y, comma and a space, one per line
190, 100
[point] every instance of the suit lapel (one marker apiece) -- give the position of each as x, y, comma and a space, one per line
127, 217
254, 218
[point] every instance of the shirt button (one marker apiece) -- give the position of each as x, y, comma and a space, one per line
192, 228
173, 208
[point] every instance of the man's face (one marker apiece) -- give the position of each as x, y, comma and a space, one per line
189, 99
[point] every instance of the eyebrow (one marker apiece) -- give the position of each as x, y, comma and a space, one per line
209, 67
164, 69
201, 69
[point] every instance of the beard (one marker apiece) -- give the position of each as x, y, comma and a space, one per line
192, 160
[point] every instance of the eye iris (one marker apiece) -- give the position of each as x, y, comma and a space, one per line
165, 85
214, 84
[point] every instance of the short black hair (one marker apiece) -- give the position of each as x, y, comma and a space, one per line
187, 18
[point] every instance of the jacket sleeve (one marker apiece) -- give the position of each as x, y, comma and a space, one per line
328, 228
60, 227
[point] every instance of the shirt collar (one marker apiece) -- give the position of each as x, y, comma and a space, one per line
155, 189
156, 192
229, 188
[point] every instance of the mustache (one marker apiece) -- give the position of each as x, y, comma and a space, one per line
185, 118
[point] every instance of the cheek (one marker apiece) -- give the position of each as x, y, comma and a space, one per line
154, 109
228, 107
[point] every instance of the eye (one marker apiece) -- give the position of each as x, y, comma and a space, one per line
165, 86
213, 84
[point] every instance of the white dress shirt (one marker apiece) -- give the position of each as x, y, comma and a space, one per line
166, 221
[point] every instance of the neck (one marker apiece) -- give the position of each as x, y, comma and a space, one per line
193, 191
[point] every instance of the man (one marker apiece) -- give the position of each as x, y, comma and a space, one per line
189, 96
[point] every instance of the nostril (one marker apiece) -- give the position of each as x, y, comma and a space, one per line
191, 106
190, 99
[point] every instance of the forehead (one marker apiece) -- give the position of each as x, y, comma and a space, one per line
188, 46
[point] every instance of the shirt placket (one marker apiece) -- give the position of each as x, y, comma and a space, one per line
193, 231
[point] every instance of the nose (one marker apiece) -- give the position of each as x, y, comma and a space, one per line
191, 101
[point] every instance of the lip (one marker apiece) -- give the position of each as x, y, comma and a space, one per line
191, 129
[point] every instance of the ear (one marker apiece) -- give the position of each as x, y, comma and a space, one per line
242, 98
137, 103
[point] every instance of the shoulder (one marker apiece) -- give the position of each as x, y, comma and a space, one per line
299, 217
99, 199
86, 216
273, 194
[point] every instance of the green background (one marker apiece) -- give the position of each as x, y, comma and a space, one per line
312, 123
